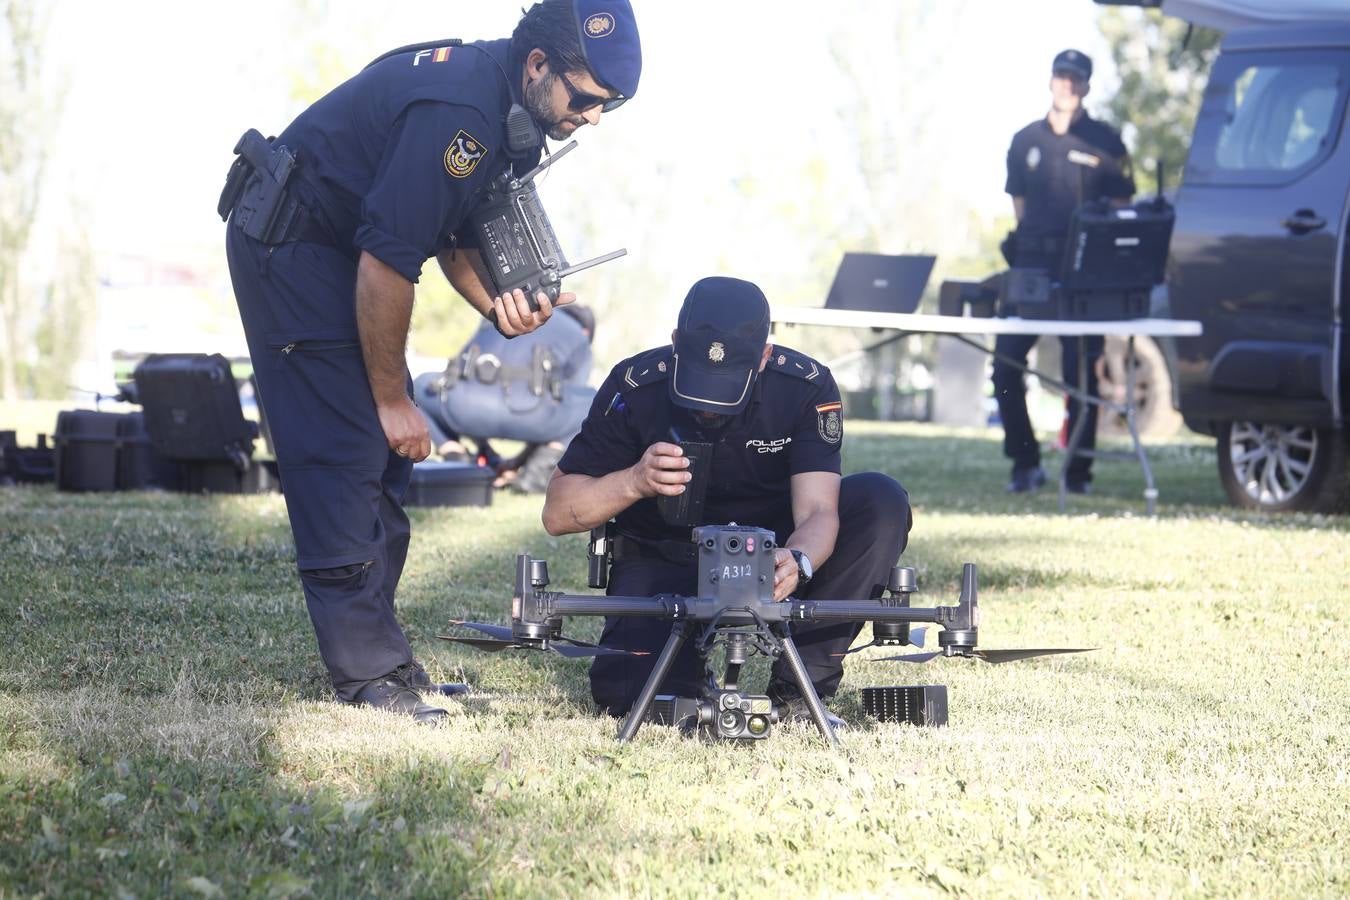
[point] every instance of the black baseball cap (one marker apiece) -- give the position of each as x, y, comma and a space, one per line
1075, 62
719, 342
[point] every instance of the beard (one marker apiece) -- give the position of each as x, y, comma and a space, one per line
539, 103
706, 424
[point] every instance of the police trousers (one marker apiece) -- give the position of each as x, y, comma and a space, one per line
874, 524
343, 485
1010, 390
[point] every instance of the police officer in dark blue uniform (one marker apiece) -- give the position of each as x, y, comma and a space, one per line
1055, 164
774, 418
374, 179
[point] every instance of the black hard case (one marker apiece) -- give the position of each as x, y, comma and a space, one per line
192, 408
1117, 250
102, 451
449, 484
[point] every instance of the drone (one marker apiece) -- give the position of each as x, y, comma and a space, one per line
735, 609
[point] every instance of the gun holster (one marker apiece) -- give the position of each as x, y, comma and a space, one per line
599, 554
255, 194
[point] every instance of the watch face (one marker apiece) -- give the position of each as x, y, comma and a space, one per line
803, 564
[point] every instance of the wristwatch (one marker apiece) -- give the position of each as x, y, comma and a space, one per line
804, 570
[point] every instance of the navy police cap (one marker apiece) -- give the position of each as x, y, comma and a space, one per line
609, 38
719, 342
1073, 61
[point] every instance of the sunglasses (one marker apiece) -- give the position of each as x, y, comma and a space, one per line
580, 101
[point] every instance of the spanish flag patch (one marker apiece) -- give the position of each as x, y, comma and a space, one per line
828, 407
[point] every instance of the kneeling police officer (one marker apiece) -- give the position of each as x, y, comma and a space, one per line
330, 225
773, 416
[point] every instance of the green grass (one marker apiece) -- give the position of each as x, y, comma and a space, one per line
165, 728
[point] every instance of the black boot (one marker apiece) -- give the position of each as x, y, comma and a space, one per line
392, 692
418, 678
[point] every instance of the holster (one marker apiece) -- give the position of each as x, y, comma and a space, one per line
255, 196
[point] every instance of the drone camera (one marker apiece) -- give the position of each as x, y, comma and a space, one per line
743, 716
727, 715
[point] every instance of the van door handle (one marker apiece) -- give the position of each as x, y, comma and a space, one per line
1304, 221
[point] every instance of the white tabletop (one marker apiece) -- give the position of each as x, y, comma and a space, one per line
930, 324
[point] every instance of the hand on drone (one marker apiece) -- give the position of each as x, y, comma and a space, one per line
784, 574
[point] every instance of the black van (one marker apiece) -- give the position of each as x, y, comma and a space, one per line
1258, 255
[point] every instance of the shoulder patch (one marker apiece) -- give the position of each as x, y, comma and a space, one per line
463, 154
647, 368
830, 422
790, 362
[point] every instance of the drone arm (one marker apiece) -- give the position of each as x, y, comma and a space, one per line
865, 611
660, 607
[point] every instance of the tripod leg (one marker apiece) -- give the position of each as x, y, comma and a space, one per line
808, 690
644, 701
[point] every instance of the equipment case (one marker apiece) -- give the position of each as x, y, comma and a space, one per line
102, 451
449, 484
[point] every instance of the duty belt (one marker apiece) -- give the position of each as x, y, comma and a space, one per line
628, 547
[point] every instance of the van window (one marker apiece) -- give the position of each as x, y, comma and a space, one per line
1265, 120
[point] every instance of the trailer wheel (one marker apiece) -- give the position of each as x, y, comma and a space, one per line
1154, 416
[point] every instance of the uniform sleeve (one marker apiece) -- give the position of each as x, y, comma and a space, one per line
608, 440
433, 163
1016, 184
819, 430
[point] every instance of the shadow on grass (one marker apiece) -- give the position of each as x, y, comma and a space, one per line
177, 797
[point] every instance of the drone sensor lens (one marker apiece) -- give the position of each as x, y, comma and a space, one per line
757, 725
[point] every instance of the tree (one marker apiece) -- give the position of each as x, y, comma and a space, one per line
22, 161
1163, 66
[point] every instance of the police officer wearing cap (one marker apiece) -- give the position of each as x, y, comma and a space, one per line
773, 416
330, 225
1055, 164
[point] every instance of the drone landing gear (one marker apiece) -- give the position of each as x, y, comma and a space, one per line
778, 638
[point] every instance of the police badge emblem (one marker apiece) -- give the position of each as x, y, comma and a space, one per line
830, 422
599, 25
717, 352
1033, 157
463, 154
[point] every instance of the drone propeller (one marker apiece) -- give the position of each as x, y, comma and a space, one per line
916, 636
502, 639
990, 656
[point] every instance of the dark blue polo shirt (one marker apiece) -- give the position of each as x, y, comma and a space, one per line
393, 159
792, 424
1045, 168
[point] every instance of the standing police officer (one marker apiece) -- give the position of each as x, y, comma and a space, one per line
374, 179
1054, 165
773, 417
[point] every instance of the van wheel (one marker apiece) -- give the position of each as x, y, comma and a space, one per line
1282, 467
1154, 416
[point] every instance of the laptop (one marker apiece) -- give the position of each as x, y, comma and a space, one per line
874, 282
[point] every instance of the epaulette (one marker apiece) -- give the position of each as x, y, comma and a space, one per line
646, 368
791, 362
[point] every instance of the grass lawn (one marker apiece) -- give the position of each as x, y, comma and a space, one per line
164, 727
